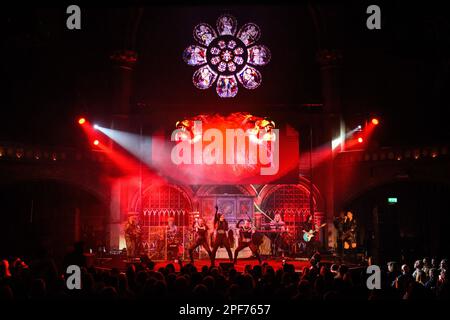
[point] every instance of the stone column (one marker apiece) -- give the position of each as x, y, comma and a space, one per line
330, 62
115, 226
330, 68
121, 85
122, 82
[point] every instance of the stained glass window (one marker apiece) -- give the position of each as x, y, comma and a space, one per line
204, 34
226, 25
194, 55
227, 55
258, 55
250, 77
204, 77
249, 33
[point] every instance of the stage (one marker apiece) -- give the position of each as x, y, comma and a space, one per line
121, 263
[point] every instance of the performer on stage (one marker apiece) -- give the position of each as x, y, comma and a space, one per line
308, 224
277, 224
221, 230
277, 227
173, 241
349, 231
171, 227
245, 240
338, 223
201, 232
132, 236
309, 229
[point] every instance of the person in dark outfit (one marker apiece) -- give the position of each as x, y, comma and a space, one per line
349, 229
221, 229
338, 223
245, 240
201, 232
403, 281
173, 241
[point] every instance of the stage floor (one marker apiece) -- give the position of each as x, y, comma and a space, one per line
121, 264
242, 263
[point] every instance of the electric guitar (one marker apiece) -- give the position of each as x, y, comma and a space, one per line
308, 235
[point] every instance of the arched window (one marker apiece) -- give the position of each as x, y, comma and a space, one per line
291, 201
161, 202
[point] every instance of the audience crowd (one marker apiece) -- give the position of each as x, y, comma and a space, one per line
40, 279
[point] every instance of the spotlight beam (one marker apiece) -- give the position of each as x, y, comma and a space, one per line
138, 146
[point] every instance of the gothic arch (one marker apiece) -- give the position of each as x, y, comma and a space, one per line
303, 185
247, 190
184, 191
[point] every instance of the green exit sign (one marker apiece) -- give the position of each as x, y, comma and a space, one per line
392, 200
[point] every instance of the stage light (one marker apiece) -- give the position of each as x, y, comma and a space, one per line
81, 121
360, 140
336, 142
96, 142
359, 128
375, 121
96, 126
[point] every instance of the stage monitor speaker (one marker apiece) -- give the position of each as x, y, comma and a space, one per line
226, 266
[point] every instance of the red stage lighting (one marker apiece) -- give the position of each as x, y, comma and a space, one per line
82, 121
375, 121
96, 142
360, 140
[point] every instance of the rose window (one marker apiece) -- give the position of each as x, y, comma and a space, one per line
226, 57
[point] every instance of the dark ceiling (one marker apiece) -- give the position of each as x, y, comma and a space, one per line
52, 75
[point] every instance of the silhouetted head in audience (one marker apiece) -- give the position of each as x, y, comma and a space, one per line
434, 263
200, 292
205, 269
434, 274
405, 269
418, 264
170, 268
392, 266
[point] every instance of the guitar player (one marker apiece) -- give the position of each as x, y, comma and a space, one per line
308, 239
